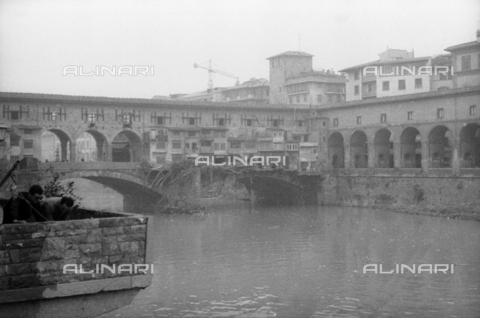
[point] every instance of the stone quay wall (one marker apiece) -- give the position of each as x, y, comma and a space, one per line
400, 190
33, 255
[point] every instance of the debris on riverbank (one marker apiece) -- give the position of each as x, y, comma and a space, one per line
462, 212
194, 210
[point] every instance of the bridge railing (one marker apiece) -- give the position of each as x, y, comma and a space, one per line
99, 165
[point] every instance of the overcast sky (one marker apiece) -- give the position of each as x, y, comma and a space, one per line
39, 38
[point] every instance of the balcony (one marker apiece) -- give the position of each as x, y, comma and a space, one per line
369, 94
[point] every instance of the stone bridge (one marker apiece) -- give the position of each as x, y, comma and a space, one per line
127, 178
281, 185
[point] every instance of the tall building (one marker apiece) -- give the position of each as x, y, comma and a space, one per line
315, 88
398, 72
466, 63
284, 66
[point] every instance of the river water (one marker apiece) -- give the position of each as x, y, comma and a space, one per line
244, 260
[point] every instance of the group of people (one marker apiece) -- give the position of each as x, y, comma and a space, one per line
32, 207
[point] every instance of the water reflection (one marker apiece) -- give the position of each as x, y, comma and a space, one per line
253, 261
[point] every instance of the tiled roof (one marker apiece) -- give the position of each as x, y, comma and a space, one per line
250, 83
35, 97
315, 77
291, 53
463, 46
379, 62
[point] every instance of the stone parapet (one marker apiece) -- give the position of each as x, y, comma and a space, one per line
48, 257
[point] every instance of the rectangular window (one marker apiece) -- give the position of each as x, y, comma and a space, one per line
305, 98
14, 115
222, 146
319, 98
357, 90
401, 84
383, 118
440, 113
160, 121
191, 121
472, 110
335, 122
176, 133
28, 144
418, 83
27, 131
300, 123
410, 115
235, 144
386, 86
356, 75
192, 133
221, 122
466, 63
161, 145
275, 123
176, 144
250, 144
91, 118
359, 120
127, 119
298, 98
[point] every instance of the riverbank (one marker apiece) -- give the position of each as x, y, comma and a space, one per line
462, 212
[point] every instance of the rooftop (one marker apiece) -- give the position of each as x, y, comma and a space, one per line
379, 62
291, 53
253, 82
473, 44
136, 102
316, 76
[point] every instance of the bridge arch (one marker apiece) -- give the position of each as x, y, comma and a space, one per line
336, 150
470, 146
440, 147
410, 148
359, 149
102, 145
49, 145
137, 194
383, 148
126, 147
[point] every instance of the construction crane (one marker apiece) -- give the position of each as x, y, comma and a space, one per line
211, 71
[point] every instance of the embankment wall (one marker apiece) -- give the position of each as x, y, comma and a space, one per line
368, 191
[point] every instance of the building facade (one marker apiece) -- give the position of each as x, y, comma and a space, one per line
466, 63
398, 72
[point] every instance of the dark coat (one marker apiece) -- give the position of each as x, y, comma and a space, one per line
22, 208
